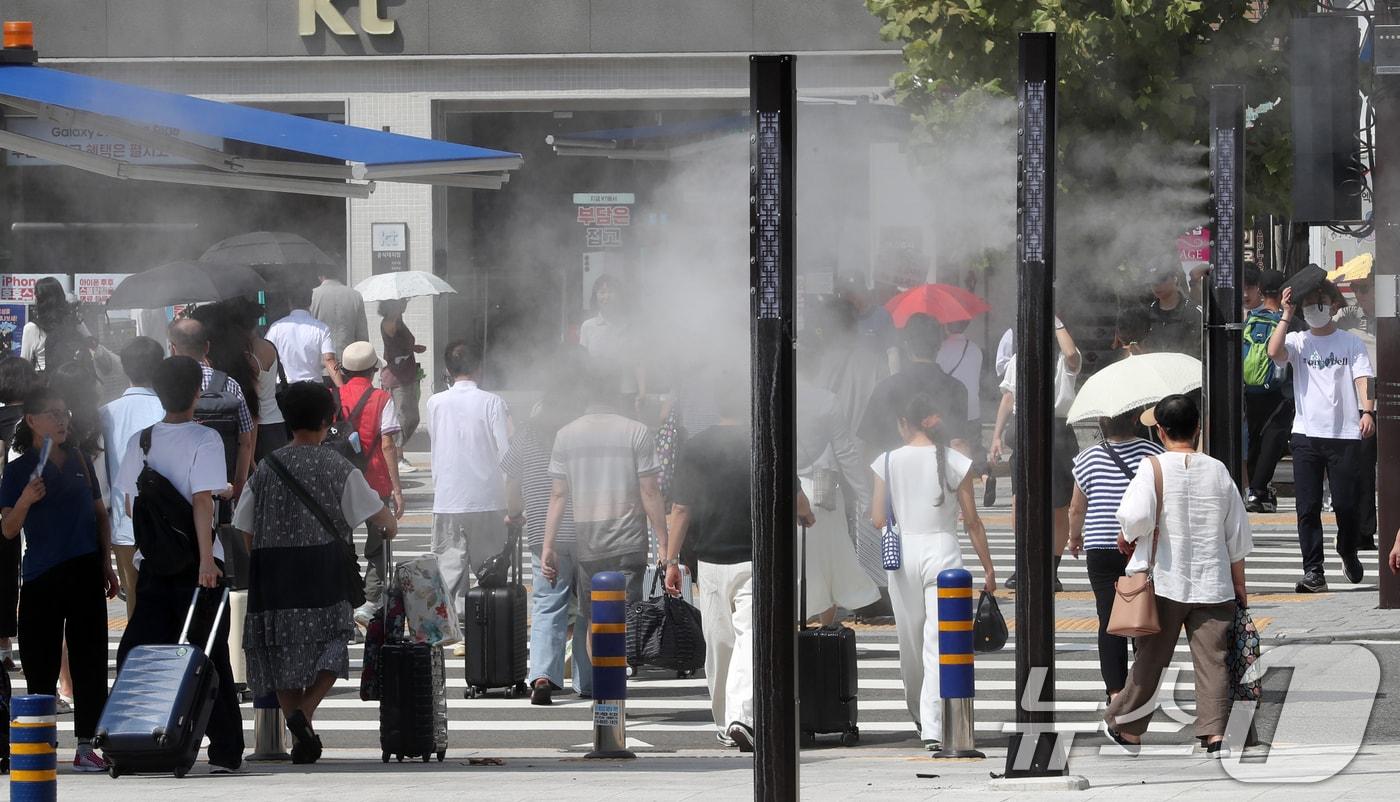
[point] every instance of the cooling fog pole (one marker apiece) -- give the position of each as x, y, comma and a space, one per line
772, 237
1033, 749
1223, 385
1386, 205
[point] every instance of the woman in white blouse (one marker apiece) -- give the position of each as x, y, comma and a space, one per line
1199, 573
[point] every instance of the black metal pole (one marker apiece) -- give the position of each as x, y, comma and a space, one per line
1386, 213
1223, 385
772, 237
1035, 361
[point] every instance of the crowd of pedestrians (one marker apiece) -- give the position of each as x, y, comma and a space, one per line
226, 431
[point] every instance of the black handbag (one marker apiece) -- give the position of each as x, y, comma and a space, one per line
664, 631
495, 571
355, 584
989, 632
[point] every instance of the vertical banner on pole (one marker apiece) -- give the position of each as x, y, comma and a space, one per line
1032, 749
1385, 101
1223, 346
772, 236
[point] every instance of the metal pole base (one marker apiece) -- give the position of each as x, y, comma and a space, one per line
610, 730
958, 739
269, 736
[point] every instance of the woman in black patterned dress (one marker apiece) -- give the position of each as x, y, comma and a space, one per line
299, 609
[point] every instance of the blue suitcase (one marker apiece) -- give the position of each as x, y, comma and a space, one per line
159, 707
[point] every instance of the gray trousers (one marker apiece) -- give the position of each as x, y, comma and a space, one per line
461, 542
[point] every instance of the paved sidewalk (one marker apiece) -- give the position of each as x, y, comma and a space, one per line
826, 774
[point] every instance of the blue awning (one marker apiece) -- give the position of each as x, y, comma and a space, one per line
345, 153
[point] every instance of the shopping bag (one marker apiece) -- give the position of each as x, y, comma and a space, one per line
664, 631
1242, 652
891, 555
989, 631
428, 609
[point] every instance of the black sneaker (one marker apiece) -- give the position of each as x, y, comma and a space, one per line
542, 693
1254, 503
1312, 582
742, 736
1270, 502
225, 766
1352, 568
1010, 583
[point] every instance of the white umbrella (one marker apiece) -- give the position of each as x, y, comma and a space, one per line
401, 284
1133, 383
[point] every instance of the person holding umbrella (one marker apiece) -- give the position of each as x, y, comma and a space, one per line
400, 375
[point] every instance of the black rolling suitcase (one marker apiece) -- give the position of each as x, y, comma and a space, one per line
156, 715
826, 675
412, 693
497, 640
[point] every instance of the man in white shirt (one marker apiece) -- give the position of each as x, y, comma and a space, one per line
1333, 413
469, 432
304, 344
137, 408
191, 458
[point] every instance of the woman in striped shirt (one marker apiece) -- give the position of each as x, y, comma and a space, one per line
1101, 476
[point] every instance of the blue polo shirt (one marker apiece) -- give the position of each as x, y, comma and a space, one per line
64, 524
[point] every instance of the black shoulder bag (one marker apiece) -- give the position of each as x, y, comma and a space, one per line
163, 521
355, 584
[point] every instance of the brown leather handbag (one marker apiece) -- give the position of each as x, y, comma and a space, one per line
1134, 600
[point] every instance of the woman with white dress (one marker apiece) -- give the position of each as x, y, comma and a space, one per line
926, 484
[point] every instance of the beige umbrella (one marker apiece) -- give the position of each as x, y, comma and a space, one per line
1356, 268
1134, 383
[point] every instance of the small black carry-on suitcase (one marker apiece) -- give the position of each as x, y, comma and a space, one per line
497, 640
412, 691
159, 707
826, 675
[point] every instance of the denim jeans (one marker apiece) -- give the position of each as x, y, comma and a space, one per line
549, 625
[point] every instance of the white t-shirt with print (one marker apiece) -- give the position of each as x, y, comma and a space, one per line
1325, 369
188, 454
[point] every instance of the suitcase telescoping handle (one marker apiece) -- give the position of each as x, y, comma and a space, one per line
802, 583
213, 627
386, 580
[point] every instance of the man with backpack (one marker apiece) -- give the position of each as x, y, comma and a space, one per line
220, 405
1268, 394
369, 413
168, 478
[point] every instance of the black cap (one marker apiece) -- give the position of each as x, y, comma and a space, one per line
1308, 280
1270, 282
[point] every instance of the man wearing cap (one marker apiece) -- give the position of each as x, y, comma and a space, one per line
1268, 395
377, 424
1174, 320
1333, 413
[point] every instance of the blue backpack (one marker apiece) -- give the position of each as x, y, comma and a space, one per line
1260, 372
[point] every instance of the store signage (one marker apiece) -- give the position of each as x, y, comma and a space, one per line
604, 198
12, 317
370, 21
96, 288
388, 247
603, 224
90, 140
1194, 245
20, 286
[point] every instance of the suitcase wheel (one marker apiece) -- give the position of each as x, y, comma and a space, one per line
850, 737
112, 771
512, 692
809, 739
427, 757
685, 674
386, 757
471, 692
442, 754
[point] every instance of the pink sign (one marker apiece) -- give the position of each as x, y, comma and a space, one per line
96, 288
1194, 245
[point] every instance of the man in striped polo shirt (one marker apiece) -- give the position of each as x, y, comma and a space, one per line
605, 463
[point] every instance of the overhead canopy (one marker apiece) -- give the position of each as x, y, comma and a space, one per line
342, 158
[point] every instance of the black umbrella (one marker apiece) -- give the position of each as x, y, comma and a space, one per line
185, 282
267, 248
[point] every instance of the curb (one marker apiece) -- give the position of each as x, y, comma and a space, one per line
1349, 634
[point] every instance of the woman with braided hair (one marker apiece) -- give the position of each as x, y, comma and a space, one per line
923, 486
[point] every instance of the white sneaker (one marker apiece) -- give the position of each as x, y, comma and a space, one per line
88, 760
406, 467
460, 650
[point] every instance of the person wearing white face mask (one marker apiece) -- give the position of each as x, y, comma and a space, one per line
1334, 412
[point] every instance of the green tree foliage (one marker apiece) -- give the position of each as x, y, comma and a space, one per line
1125, 66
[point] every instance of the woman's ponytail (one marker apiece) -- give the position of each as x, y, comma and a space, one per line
922, 414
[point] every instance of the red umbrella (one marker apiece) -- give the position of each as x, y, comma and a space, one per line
944, 302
